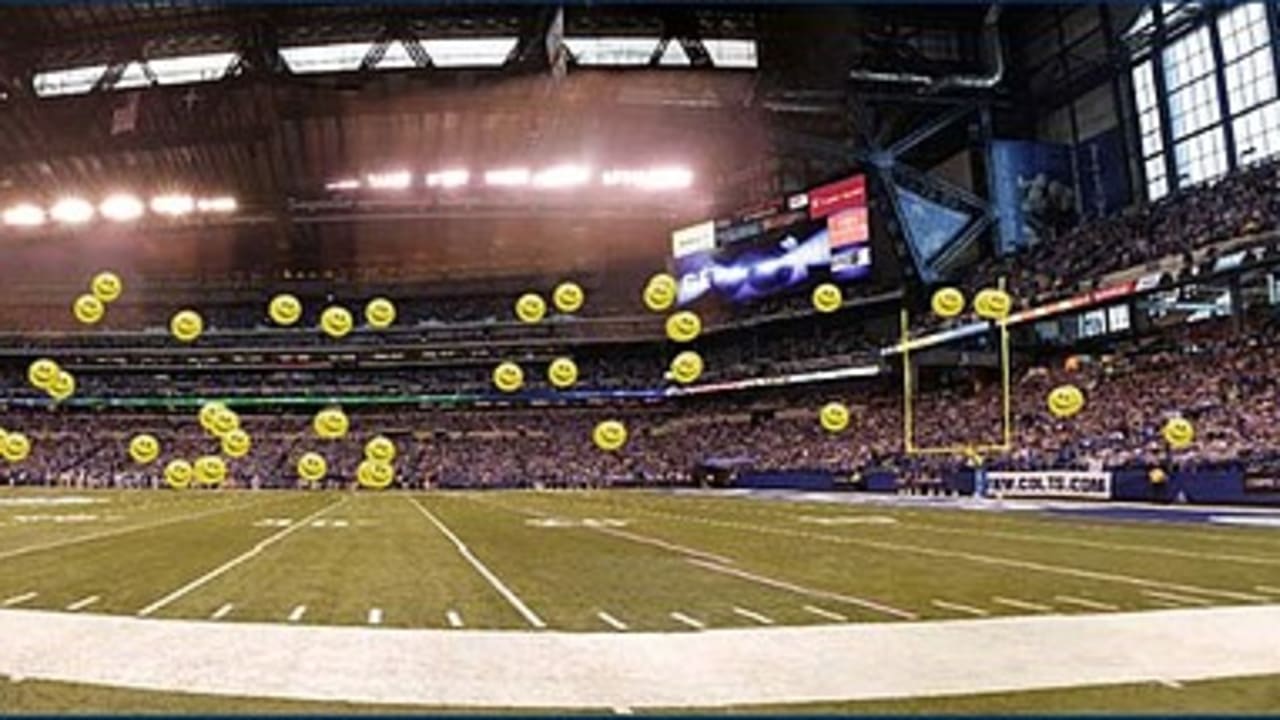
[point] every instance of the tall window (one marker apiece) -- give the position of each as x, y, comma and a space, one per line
1194, 110
1144, 95
1250, 74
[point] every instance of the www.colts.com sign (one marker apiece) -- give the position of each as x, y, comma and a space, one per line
1062, 484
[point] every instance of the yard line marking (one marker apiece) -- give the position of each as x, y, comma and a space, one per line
825, 613
751, 615
83, 603
612, 621
1173, 597
530, 616
957, 607
1267, 589
1170, 683
221, 612
235, 561
691, 622
297, 613
19, 599
1085, 602
801, 590
455, 620
1020, 604
375, 616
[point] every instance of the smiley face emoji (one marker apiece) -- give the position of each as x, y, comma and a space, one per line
312, 467
42, 373
375, 474
531, 308
16, 448
380, 313
285, 309
210, 470
684, 326
568, 297
208, 412
562, 372
88, 309
1065, 401
947, 302
336, 321
225, 421
508, 377
609, 435
178, 474
106, 286
992, 304
380, 448
827, 298
1179, 433
686, 367
659, 293
236, 443
331, 423
63, 386
186, 325
144, 449
834, 417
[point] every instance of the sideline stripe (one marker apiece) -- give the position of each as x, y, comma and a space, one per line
515, 602
455, 620
820, 612
83, 603
297, 613
801, 590
1085, 602
1020, 604
19, 599
691, 622
1267, 589
1174, 597
612, 621
957, 607
751, 615
221, 612
233, 562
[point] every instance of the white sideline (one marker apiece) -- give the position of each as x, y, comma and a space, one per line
235, 561
511, 598
730, 666
1020, 604
1176, 598
1086, 603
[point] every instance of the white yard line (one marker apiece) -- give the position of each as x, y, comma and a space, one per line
455, 620
1020, 604
83, 603
530, 616
612, 621
297, 613
957, 607
753, 616
1176, 598
691, 622
375, 616
19, 599
1267, 589
235, 562
674, 547
222, 612
823, 613
802, 590
1086, 603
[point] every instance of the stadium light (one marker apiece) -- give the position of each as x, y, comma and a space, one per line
448, 178
343, 184
121, 207
222, 204
172, 205
655, 178
24, 215
72, 211
397, 180
561, 176
509, 177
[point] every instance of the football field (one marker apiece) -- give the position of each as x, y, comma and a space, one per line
599, 563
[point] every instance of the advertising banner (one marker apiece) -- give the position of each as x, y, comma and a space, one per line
1050, 484
1104, 187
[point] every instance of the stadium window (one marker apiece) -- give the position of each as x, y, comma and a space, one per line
1258, 134
191, 68
1249, 72
732, 53
1200, 158
71, 81
612, 50
1145, 102
332, 57
1193, 91
396, 57
134, 76
469, 52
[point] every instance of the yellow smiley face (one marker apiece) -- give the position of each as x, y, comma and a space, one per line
186, 325
63, 386
285, 309
16, 448
992, 304
208, 412
834, 417
236, 443
42, 373
684, 326
88, 309
508, 377
210, 470
380, 313
686, 367
336, 321
312, 467
1179, 433
609, 435
331, 423
568, 297
827, 298
531, 308
178, 473
660, 292
380, 448
947, 302
1065, 401
375, 474
562, 372
225, 420
106, 286
144, 449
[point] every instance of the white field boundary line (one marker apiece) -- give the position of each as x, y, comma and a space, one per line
238, 560
1020, 604
1086, 603
994, 560
123, 530
802, 590
957, 607
1175, 598
512, 599
1270, 589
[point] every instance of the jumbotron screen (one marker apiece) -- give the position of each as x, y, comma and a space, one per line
816, 235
